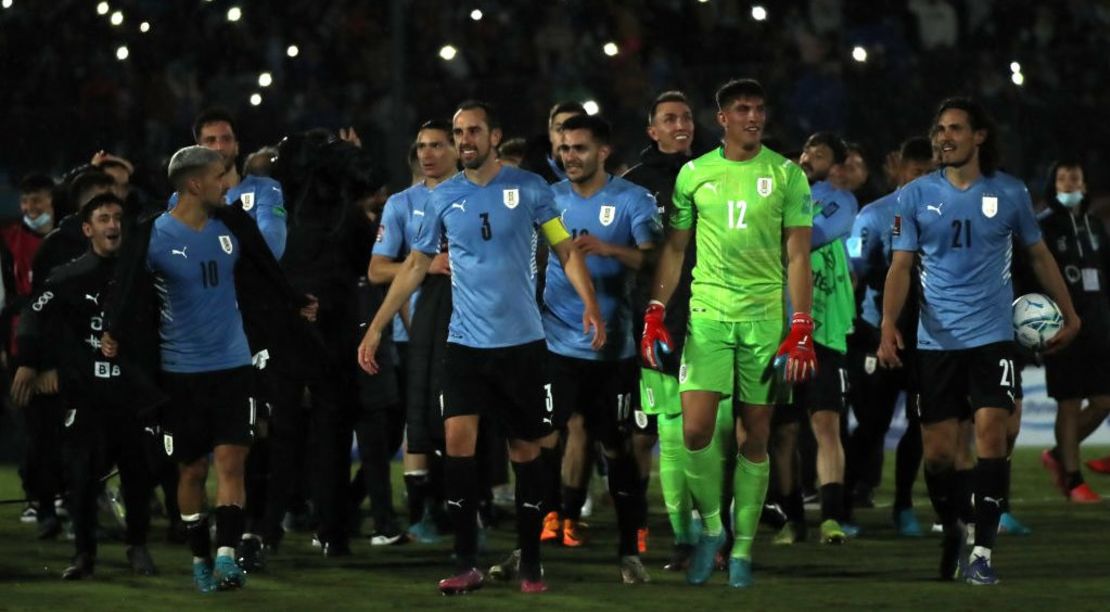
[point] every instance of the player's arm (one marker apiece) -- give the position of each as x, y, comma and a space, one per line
1048, 275
837, 224
389, 245
574, 265
863, 244
36, 319
799, 271
895, 290
383, 269
629, 256
404, 284
271, 223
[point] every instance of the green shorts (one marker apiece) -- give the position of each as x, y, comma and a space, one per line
726, 356
659, 393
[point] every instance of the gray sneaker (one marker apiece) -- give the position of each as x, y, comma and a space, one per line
632, 570
508, 569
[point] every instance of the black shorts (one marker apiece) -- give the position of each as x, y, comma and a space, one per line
643, 423
826, 390
601, 391
863, 362
1080, 371
954, 384
206, 410
507, 384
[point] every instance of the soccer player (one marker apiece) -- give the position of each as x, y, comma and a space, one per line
961, 221
101, 425
822, 397
542, 156
749, 202
616, 224
873, 390
402, 216
1078, 242
191, 259
495, 351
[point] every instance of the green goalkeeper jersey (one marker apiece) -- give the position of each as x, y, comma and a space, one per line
741, 210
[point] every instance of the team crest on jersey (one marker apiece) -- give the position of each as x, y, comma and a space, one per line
764, 185
683, 373
896, 229
641, 419
990, 206
226, 244
511, 197
608, 213
167, 444
869, 363
248, 200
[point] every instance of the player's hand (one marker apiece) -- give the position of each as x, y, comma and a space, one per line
591, 318
656, 337
109, 347
23, 385
351, 136
47, 383
890, 343
102, 156
367, 350
310, 311
441, 264
591, 245
797, 350
1063, 337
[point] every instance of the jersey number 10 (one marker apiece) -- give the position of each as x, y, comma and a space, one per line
736, 212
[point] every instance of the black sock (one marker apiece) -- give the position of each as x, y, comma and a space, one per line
1074, 479
624, 487
907, 461
941, 484
416, 487
573, 498
832, 501
196, 530
990, 491
642, 510
531, 481
551, 461
793, 506
460, 484
1005, 505
965, 486
230, 521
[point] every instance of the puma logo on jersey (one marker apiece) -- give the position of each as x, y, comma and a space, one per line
934, 207
95, 299
460, 205
455, 502
711, 187
993, 500
535, 506
180, 252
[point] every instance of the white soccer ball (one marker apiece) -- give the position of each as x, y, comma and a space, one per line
1036, 320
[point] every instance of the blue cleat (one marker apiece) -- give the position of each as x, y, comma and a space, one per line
704, 559
851, 530
202, 577
424, 532
739, 573
1007, 524
980, 572
228, 574
906, 523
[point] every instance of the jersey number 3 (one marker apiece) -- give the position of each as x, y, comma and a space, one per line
736, 212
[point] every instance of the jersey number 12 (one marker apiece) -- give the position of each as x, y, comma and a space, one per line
736, 212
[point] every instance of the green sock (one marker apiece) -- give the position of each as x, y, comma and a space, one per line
750, 486
672, 477
704, 478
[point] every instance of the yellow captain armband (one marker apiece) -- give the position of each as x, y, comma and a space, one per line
555, 231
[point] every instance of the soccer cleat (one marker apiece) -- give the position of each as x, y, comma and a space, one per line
1083, 495
633, 571
832, 533
739, 573
704, 560
1055, 469
786, 536
1009, 525
574, 533
507, 569
905, 521
551, 526
229, 576
82, 567
1102, 465
642, 540
952, 557
140, 560
980, 572
389, 536
30, 513
531, 587
202, 576
50, 527
680, 558
461, 583
249, 555
424, 532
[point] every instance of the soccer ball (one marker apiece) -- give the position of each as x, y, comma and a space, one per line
1036, 320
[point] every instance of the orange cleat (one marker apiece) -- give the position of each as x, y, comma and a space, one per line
642, 540
574, 533
1102, 466
1083, 495
550, 531
1055, 469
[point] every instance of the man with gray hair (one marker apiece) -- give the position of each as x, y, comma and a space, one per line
188, 262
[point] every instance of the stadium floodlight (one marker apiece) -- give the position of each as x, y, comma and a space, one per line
759, 13
611, 49
476, 15
6, 3
292, 51
102, 8
122, 53
703, 1
1015, 67
116, 18
448, 52
265, 79
591, 107
859, 54
1018, 78
256, 99
234, 14
144, 27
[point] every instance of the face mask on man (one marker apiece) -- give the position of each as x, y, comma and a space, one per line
38, 222
1070, 199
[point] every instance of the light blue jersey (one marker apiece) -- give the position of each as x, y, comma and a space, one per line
201, 328
396, 234
263, 201
965, 239
491, 238
619, 213
869, 250
834, 211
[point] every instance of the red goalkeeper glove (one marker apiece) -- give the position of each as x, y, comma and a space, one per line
797, 350
655, 335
